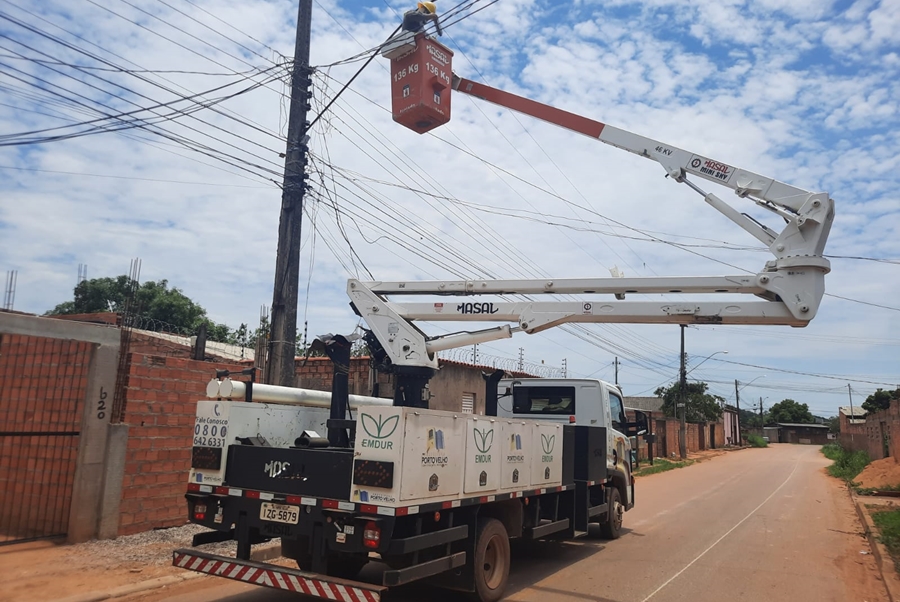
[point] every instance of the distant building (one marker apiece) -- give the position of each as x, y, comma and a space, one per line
732, 419
646, 404
851, 415
805, 434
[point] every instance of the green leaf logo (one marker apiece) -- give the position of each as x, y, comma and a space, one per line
547, 443
484, 439
380, 428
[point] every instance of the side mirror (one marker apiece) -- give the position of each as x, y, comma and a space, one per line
640, 426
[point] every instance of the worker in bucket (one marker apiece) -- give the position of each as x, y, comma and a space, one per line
414, 20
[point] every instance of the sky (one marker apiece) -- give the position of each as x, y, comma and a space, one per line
188, 179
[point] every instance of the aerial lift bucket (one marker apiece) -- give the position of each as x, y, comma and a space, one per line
421, 73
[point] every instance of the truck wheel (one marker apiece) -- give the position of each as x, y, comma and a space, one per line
298, 550
611, 528
492, 560
346, 566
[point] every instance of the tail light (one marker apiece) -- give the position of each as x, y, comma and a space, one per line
371, 535
571, 420
200, 511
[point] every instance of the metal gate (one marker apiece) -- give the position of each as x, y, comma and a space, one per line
42, 391
662, 449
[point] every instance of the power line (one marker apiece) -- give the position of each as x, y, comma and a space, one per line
111, 64
120, 57
132, 71
215, 31
121, 116
140, 123
94, 175
827, 376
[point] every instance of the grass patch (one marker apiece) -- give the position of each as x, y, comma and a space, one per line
661, 465
872, 490
847, 464
832, 451
757, 441
888, 524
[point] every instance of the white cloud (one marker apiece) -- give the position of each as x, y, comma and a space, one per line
798, 92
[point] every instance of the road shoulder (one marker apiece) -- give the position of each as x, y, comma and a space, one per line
882, 557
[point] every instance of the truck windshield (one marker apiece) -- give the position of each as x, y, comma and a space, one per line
544, 400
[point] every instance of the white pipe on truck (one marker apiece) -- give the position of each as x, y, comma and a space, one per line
235, 389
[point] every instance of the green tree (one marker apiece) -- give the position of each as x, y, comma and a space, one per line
158, 306
789, 410
880, 400
701, 406
751, 419
834, 424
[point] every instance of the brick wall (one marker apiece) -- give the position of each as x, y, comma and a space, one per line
669, 433
161, 394
316, 373
153, 345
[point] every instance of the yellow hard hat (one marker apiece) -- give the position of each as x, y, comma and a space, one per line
429, 6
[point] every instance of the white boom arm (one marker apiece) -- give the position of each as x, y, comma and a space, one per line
791, 286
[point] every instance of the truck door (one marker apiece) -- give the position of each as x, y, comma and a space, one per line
619, 446
589, 411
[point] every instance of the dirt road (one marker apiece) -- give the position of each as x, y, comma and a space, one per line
759, 524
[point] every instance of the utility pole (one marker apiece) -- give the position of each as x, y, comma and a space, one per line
850, 393
617, 370
565, 367
761, 423
682, 432
280, 368
737, 405
521, 359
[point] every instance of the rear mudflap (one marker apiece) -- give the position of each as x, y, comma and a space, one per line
277, 577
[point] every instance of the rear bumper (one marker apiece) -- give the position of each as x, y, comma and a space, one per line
277, 577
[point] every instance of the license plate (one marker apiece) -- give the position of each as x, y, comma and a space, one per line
279, 513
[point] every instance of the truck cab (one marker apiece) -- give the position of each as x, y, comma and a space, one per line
583, 402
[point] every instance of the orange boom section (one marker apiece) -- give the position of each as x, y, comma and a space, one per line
420, 85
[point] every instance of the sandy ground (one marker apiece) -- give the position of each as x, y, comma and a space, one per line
50, 570
880, 473
758, 524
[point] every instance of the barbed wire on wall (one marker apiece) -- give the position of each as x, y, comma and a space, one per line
154, 325
467, 355
243, 345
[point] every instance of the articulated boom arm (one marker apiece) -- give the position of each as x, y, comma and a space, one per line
789, 288
785, 200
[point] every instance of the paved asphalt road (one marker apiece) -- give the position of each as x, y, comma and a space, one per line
758, 524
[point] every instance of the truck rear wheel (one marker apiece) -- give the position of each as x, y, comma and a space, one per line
298, 550
492, 560
346, 566
611, 528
